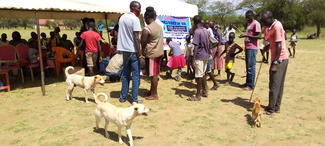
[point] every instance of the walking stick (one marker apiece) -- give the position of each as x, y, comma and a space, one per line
258, 74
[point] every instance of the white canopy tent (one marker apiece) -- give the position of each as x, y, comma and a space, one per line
77, 9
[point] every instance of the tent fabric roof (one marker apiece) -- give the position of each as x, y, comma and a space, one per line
54, 9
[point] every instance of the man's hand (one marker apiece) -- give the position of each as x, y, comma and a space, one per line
274, 67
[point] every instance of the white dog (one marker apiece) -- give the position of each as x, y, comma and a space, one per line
122, 117
87, 83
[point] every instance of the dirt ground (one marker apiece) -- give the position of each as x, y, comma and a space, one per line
27, 118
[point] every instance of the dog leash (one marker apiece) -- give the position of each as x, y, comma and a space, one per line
258, 74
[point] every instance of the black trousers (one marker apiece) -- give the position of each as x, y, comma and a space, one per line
276, 86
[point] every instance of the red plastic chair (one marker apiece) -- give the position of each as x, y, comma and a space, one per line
22, 52
8, 57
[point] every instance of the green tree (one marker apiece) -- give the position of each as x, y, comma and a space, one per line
221, 10
51, 24
72, 23
289, 12
201, 4
315, 10
27, 23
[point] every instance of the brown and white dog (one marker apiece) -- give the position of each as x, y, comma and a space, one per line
122, 117
87, 83
257, 113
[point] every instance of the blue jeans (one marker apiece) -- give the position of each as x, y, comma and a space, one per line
250, 58
131, 64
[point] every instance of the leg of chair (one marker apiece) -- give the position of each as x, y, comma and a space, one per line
31, 73
57, 68
7, 81
22, 75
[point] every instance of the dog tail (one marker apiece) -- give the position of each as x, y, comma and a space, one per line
67, 70
101, 98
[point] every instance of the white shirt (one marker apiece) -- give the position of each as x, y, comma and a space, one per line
210, 32
128, 24
227, 32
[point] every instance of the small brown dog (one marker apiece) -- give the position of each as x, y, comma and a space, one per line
257, 113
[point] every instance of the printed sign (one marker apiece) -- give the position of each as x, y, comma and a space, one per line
176, 28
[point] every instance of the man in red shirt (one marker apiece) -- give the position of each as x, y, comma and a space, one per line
275, 35
92, 40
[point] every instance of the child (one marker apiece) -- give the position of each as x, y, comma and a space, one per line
189, 55
177, 59
230, 51
293, 43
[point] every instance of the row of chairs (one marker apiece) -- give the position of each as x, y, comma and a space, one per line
16, 58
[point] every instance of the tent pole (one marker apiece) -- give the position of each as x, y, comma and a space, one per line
40, 52
109, 38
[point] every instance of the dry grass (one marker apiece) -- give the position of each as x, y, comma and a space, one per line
27, 118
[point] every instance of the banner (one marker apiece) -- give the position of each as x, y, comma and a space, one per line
176, 28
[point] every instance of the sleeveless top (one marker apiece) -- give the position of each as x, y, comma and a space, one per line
154, 47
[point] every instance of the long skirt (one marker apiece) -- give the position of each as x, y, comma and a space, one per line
219, 60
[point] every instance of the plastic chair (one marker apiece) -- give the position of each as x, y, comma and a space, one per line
59, 58
22, 52
8, 57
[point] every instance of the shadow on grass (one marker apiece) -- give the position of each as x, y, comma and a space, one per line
16, 82
114, 136
84, 100
141, 93
183, 93
240, 102
249, 119
234, 84
189, 85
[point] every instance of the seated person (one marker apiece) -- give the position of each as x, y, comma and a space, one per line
108, 50
66, 43
3, 40
16, 39
112, 67
33, 42
44, 41
33, 55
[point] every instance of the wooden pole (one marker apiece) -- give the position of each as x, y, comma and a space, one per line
109, 38
40, 52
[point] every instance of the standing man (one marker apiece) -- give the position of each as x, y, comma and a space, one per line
128, 43
252, 35
202, 53
275, 34
92, 40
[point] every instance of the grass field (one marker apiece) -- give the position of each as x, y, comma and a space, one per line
27, 118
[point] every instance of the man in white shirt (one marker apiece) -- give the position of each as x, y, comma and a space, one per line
128, 43
228, 30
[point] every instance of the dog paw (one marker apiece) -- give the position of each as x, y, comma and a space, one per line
121, 142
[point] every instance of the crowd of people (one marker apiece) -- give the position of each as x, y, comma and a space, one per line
134, 50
